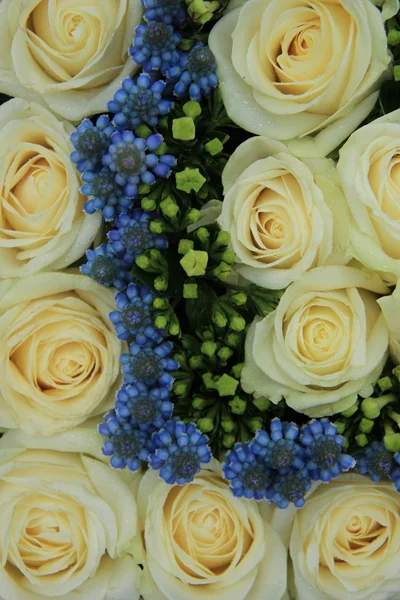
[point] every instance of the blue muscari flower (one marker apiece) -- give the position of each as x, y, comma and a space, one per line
128, 158
167, 11
133, 236
195, 73
91, 142
279, 449
126, 444
133, 318
106, 268
376, 462
149, 365
140, 102
325, 457
291, 488
248, 472
180, 451
147, 408
155, 46
108, 196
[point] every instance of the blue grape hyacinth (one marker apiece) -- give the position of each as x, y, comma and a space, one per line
132, 235
248, 473
154, 47
139, 102
278, 448
291, 488
104, 194
91, 142
105, 267
132, 160
149, 365
325, 457
126, 444
133, 317
147, 408
180, 451
195, 74
376, 462
167, 11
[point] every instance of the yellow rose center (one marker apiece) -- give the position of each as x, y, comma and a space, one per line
207, 538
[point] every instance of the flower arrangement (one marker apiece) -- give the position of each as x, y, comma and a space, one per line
199, 299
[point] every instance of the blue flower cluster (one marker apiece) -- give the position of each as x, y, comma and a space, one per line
378, 463
280, 465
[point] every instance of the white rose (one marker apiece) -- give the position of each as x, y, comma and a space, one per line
68, 520
345, 542
42, 223
290, 68
389, 8
369, 169
390, 306
203, 543
325, 343
277, 211
69, 54
59, 355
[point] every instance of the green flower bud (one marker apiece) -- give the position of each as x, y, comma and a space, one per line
223, 238
181, 388
222, 271
237, 323
228, 425
205, 424
199, 403
185, 245
143, 262
233, 339
144, 188
396, 73
254, 424
237, 370
228, 440
196, 362
161, 322
226, 385
214, 146
189, 180
192, 109
225, 353
190, 291
143, 131
194, 263
393, 37
392, 442
262, 403
238, 405
192, 216
371, 407
366, 425
169, 207
396, 372
239, 299
174, 327
161, 283
180, 358
361, 440
148, 204
203, 235
209, 348
208, 381
160, 303
228, 257
162, 149
340, 426
349, 412
207, 334
219, 318
156, 227
183, 129
385, 384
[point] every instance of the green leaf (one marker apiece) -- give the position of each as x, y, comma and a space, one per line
199, 311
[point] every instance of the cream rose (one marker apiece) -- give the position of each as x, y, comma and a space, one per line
369, 169
203, 543
69, 54
42, 223
59, 355
290, 68
278, 214
390, 306
325, 343
345, 542
69, 522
